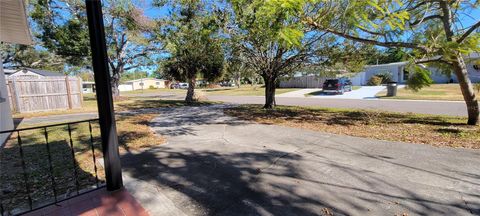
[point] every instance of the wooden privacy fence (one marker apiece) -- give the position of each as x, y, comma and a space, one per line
43, 94
303, 82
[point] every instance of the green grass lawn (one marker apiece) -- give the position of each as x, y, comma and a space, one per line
447, 92
245, 91
122, 104
320, 92
159, 90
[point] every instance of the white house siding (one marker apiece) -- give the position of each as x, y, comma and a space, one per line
358, 79
125, 87
146, 83
396, 70
6, 121
473, 73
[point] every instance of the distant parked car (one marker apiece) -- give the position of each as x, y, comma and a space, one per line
183, 85
179, 86
337, 86
174, 86
227, 84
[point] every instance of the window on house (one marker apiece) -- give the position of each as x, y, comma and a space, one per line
157, 83
406, 74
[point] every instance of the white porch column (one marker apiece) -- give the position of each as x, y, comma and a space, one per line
6, 120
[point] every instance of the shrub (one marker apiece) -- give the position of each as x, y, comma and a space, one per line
151, 87
386, 77
419, 79
374, 81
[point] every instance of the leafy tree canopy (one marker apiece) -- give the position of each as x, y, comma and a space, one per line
192, 35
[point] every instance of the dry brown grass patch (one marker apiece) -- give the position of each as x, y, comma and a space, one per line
413, 128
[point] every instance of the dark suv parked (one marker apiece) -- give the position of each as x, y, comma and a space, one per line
337, 86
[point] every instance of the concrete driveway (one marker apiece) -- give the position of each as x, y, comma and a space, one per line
218, 165
364, 92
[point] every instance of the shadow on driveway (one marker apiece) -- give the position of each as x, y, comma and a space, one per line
218, 165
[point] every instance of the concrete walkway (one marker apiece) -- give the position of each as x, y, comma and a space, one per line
218, 165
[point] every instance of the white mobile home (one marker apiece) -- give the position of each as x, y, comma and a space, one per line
144, 83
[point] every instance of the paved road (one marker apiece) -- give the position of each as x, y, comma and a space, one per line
218, 165
424, 107
452, 108
405, 106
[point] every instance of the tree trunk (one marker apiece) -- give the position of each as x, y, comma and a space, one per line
115, 83
115, 90
466, 87
237, 81
269, 92
191, 90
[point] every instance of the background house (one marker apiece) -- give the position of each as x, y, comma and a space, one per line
400, 74
144, 83
31, 73
88, 87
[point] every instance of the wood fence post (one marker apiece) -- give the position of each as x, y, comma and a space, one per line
69, 93
80, 90
15, 96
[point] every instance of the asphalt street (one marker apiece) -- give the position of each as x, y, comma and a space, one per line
451, 108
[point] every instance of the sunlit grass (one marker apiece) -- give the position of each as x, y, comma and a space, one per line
414, 128
448, 92
245, 91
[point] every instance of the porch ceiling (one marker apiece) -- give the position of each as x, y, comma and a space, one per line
13, 22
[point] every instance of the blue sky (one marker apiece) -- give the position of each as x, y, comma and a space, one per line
154, 12
468, 19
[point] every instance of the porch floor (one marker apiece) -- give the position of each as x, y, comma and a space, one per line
96, 203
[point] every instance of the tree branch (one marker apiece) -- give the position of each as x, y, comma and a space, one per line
468, 32
378, 43
430, 60
369, 41
416, 22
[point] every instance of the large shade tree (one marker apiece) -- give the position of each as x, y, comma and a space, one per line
436, 32
61, 26
259, 32
25, 56
277, 44
192, 37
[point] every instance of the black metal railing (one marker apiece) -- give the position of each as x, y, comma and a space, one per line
45, 165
